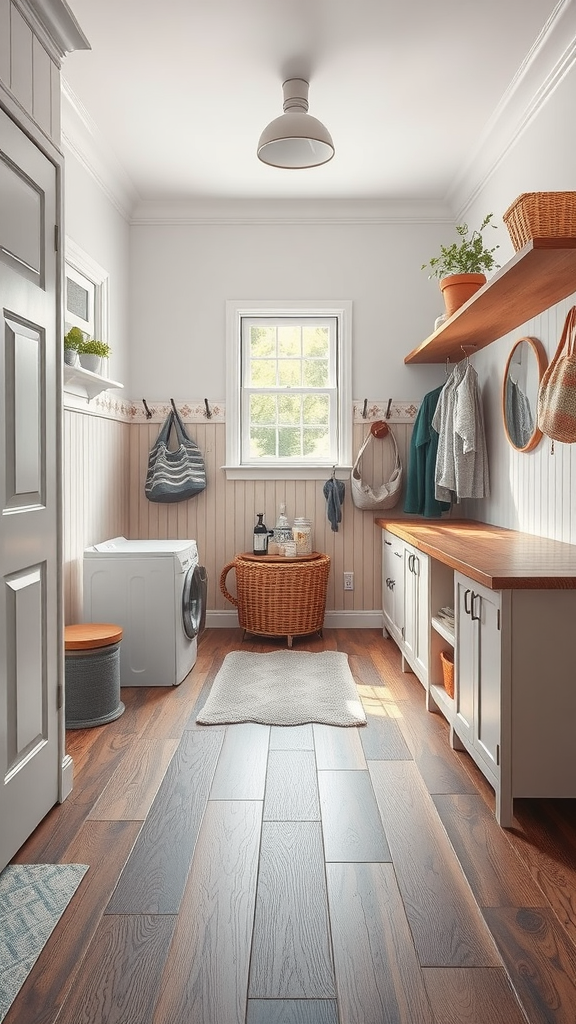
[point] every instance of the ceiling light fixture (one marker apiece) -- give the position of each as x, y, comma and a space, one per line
295, 139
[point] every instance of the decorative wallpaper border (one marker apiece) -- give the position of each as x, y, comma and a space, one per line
112, 406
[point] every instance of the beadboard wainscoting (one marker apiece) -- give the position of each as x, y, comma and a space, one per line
96, 497
222, 518
530, 491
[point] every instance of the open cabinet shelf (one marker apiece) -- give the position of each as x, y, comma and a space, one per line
538, 276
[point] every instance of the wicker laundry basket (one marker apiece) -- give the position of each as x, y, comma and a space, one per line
541, 215
279, 596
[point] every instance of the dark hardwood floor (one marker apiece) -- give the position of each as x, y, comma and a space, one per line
306, 875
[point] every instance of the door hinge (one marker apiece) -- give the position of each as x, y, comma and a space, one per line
56, 239
60, 696
498, 619
497, 753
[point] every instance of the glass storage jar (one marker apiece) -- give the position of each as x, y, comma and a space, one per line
302, 534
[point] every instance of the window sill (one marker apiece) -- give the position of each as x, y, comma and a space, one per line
285, 472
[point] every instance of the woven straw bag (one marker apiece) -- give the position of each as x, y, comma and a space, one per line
386, 496
557, 391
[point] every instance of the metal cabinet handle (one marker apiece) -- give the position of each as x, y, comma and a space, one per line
410, 563
466, 595
475, 618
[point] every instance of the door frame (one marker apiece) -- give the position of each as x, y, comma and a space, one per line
53, 154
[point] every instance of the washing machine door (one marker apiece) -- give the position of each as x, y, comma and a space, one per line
194, 601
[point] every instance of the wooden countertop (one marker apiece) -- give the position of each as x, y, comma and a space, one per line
500, 559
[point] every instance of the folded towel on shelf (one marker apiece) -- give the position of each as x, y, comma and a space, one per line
333, 491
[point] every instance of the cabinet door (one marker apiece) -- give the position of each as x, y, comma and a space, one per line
486, 613
422, 635
410, 603
387, 574
393, 583
416, 611
464, 658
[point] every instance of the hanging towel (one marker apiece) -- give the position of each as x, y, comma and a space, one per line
334, 493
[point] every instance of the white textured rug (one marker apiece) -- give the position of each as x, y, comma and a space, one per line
284, 688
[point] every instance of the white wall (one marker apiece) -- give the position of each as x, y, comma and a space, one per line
94, 223
181, 277
536, 491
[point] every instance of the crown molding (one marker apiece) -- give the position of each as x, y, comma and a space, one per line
84, 141
55, 25
546, 65
291, 211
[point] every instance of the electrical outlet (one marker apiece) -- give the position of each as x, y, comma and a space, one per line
348, 581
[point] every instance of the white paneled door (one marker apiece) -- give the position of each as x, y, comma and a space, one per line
29, 495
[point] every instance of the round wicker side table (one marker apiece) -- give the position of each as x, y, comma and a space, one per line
278, 596
92, 674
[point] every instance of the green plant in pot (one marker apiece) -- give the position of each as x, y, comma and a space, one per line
72, 342
461, 267
92, 352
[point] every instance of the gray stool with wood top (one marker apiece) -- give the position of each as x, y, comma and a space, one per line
92, 674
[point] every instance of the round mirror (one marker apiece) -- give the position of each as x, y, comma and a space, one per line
526, 364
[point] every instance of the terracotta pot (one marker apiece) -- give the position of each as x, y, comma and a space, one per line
458, 288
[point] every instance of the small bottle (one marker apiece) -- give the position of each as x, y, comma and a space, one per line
261, 536
282, 530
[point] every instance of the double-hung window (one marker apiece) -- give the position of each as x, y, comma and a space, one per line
288, 396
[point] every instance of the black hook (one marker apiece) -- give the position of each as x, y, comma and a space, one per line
388, 409
364, 410
208, 412
147, 410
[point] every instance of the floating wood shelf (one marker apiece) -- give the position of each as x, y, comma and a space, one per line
538, 276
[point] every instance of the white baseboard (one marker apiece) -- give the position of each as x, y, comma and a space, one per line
332, 620
66, 778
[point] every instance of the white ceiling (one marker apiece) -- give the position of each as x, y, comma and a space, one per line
181, 90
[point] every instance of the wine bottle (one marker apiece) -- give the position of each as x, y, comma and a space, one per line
261, 536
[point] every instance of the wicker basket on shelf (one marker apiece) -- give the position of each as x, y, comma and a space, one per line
447, 659
277, 596
541, 215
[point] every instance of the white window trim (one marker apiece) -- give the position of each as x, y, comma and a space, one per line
78, 260
235, 311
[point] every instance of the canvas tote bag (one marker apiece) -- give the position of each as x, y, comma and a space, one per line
386, 496
174, 475
557, 391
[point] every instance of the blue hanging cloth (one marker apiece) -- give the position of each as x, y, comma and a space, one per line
334, 493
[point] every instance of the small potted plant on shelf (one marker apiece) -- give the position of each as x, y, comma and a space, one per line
72, 342
461, 267
92, 353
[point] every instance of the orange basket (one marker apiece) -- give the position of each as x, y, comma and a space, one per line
447, 659
541, 215
279, 597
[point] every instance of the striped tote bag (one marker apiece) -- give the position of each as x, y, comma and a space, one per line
174, 475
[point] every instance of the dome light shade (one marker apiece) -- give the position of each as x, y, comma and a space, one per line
295, 139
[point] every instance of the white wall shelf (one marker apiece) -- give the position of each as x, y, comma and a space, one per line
77, 378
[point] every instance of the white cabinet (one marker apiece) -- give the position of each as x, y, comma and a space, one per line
514, 705
406, 602
416, 612
393, 584
478, 670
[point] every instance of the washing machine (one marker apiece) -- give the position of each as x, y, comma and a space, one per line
155, 590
